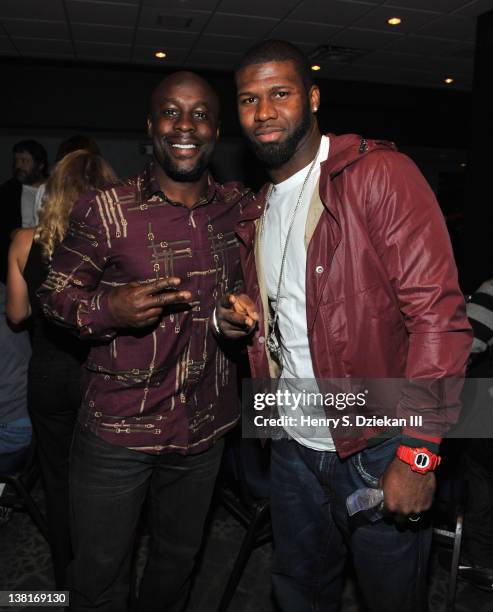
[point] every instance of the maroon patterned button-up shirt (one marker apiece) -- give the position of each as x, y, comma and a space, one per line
169, 388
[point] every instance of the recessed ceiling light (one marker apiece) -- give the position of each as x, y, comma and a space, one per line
393, 21
463, 165
316, 67
160, 54
448, 81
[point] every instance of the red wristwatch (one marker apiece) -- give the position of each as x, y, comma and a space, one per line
421, 460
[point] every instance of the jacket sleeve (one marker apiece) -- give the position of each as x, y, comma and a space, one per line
74, 294
409, 234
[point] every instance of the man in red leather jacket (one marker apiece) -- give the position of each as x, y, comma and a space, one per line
347, 255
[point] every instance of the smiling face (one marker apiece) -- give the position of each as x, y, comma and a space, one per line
275, 110
183, 126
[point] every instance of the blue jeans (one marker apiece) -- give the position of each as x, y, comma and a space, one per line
15, 438
108, 487
313, 534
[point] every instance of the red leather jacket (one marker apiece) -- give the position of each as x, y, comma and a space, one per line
383, 299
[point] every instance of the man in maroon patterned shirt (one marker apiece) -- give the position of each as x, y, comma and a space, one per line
139, 273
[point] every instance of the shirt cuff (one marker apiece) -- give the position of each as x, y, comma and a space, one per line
94, 319
429, 442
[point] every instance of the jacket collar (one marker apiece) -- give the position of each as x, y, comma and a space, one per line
344, 151
347, 149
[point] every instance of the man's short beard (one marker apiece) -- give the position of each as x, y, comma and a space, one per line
276, 154
191, 175
28, 179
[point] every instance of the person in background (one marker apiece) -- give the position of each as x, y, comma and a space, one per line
72, 143
31, 170
19, 196
54, 369
15, 425
477, 464
75, 142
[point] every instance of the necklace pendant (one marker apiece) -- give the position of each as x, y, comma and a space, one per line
273, 345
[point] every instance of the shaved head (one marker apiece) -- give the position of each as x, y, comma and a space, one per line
185, 78
184, 125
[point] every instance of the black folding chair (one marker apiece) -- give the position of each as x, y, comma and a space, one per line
19, 484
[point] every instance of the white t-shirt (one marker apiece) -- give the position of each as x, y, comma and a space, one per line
297, 362
31, 201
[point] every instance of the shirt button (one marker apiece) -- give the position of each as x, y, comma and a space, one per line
319, 269
261, 339
242, 223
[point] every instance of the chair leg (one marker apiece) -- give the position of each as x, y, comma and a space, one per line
32, 509
454, 568
242, 558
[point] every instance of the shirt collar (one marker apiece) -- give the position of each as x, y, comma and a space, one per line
149, 187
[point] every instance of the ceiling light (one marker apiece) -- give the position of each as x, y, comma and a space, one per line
393, 21
160, 54
448, 81
315, 67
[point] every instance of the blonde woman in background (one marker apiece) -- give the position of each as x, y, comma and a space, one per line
54, 369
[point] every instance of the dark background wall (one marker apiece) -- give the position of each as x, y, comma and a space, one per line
115, 99
50, 101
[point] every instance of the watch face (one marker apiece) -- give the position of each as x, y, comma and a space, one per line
422, 460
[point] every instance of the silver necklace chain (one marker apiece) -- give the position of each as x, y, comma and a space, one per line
271, 340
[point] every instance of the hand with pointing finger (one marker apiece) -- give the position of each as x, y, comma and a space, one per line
141, 305
236, 315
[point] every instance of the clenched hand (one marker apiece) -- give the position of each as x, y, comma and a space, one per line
236, 315
407, 492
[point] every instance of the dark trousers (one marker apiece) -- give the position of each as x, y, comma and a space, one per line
109, 485
477, 544
53, 400
313, 534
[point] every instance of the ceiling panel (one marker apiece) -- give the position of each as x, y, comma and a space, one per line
464, 51
152, 17
172, 5
103, 13
265, 8
234, 25
398, 60
441, 67
134, 2
312, 33
36, 29
364, 39
335, 12
33, 46
451, 26
44, 9
473, 9
102, 34
435, 38
94, 49
411, 20
441, 6
423, 45
229, 44
165, 39
6, 47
